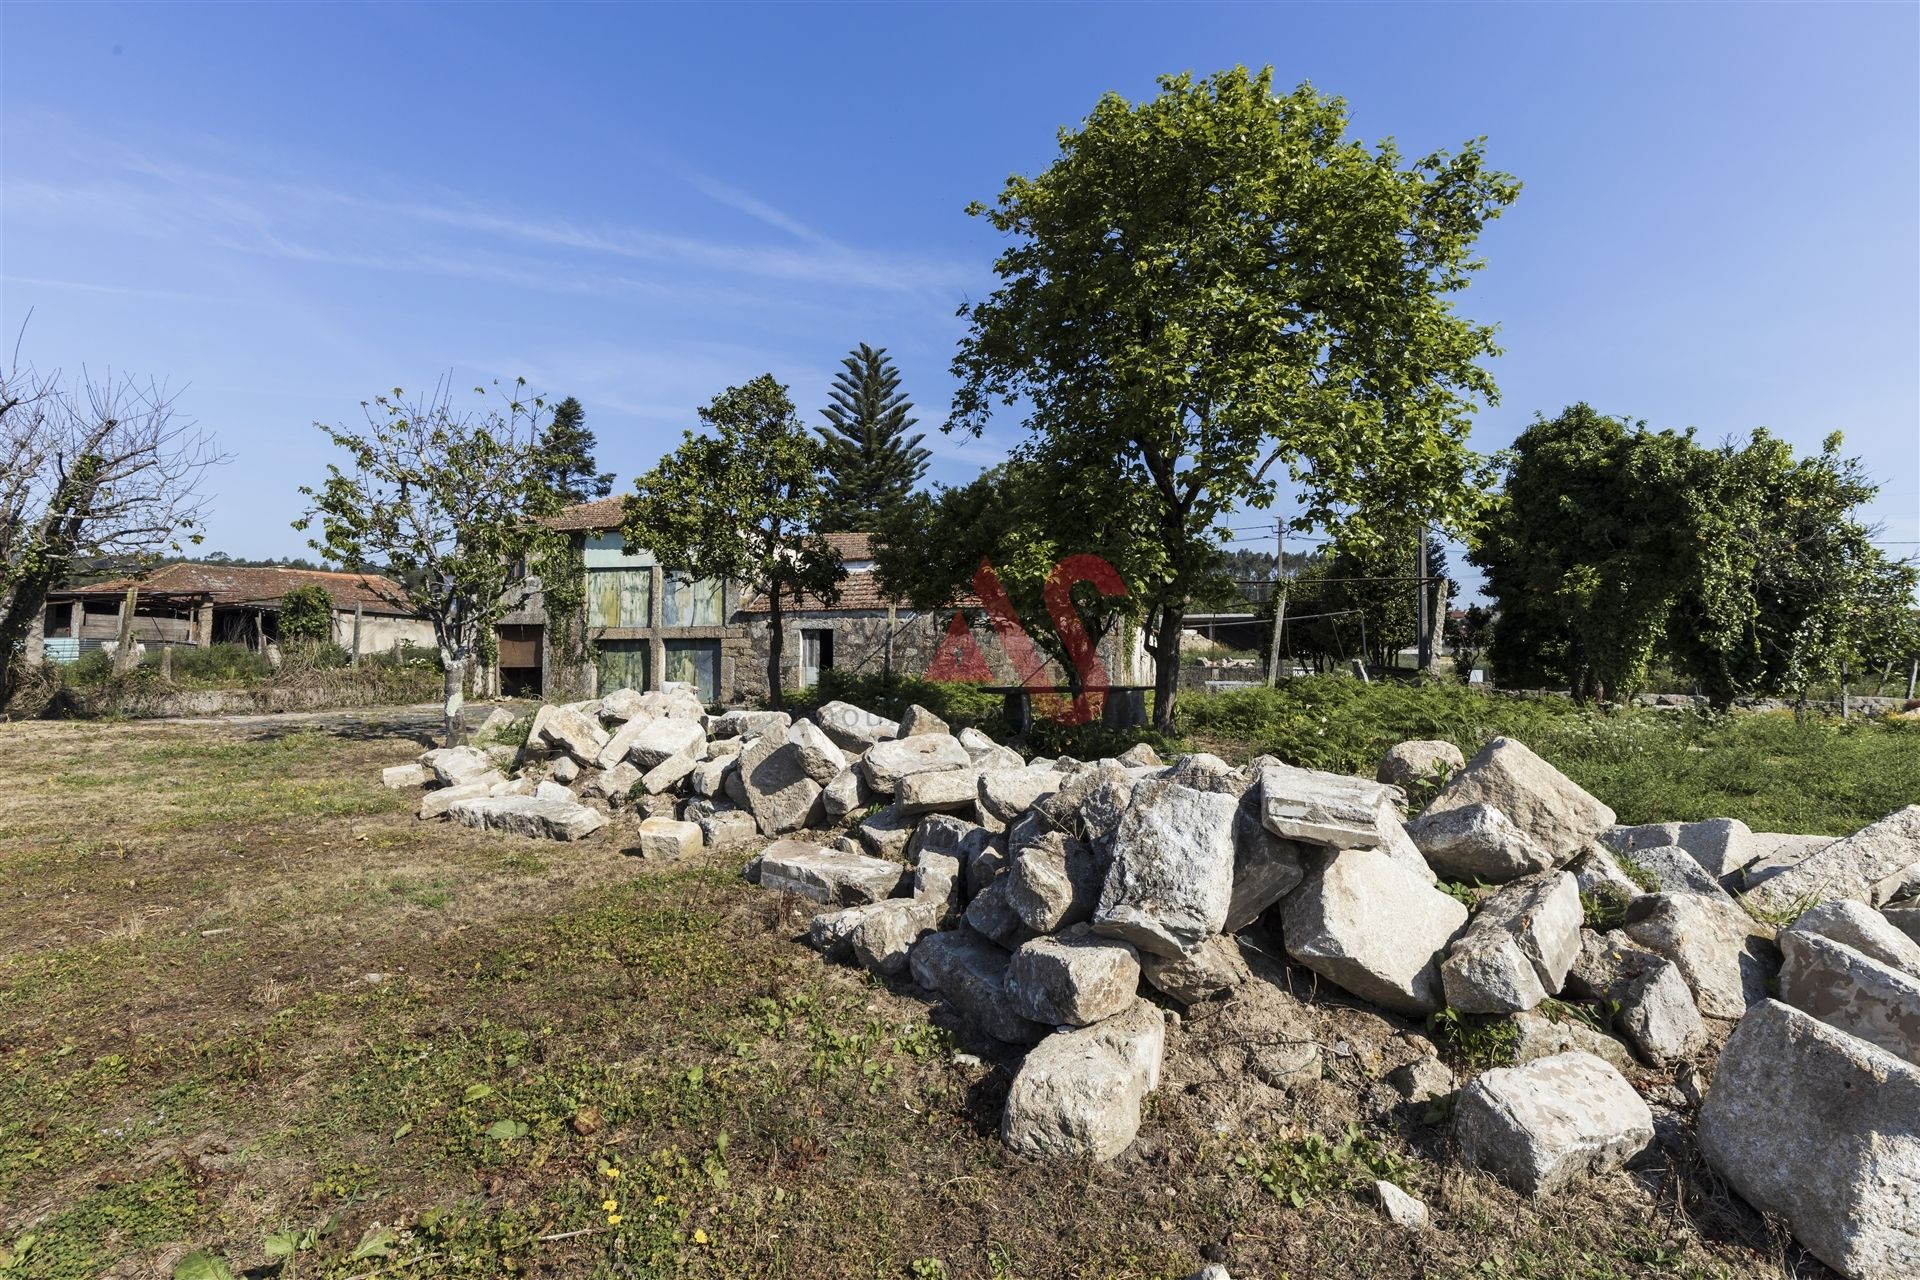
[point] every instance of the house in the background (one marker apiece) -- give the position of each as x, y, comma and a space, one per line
193, 605
646, 623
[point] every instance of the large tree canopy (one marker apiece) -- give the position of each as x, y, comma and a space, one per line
452, 501
566, 456
101, 473
1217, 289
1613, 547
745, 503
872, 463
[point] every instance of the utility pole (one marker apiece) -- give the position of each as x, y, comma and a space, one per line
1279, 603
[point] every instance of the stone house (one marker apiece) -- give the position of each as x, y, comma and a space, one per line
646, 623
193, 605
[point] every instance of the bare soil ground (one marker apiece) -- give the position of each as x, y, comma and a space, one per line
248, 1004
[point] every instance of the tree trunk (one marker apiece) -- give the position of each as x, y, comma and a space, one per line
1166, 668
453, 696
776, 644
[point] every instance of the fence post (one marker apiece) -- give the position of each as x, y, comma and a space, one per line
357, 606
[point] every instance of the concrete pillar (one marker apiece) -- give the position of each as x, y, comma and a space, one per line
203, 625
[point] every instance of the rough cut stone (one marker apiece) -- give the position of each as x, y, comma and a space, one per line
1088, 802
612, 785
1598, 874
778, 789
1517, 948
401, 777
971, 973
976, 742
669, 839
1851, 991
1904, 918
1538, 798
883, 938
565, 770
1870, 932
1822, 1129
551, 791
1140, 754
1336, 924
1422, 761
434, 804
886, 833
1477, 842
886, 763
1657, 1015
452, 766
819, 757
1078, 1093
748, 724
919, 720
852, 729
526, 816
1005, 794
1723, 953
1674, 870
1324, 808
1402, 1209
1722, 846
991, 914
1171, 878
663, 739
1848, 868
1054, 882
1536, 1036
831, 932
666, 775
728, 828
1422, 1080
1266, 867
844, 793
525, 786
1543, 1126
937, 791
621, 705
940, 878
1076, 978
1212, 969
841, 879
577, 734
709, 777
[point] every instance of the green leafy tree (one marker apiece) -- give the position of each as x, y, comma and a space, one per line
872, 463
745, 504
306, 615
566, 456
1587, 550
1217, 288
1023, 521
1468, 637
1786, 589
454, 501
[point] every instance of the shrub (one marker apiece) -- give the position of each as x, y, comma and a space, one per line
306, 614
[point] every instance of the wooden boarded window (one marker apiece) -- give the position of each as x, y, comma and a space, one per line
622, 664
619, 597
689, 602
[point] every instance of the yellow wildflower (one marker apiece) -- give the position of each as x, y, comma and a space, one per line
613, 1219
613, 1173
699, 1236
610, 1205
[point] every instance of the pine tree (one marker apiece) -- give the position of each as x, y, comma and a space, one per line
567, 456
872, 464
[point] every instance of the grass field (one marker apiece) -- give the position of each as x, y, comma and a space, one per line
249, 1006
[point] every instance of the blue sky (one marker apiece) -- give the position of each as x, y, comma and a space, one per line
285, 209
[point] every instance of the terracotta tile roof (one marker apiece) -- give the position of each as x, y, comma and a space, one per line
859, 591
237, 585
590, 517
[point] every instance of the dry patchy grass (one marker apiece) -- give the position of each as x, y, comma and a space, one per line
247, 1004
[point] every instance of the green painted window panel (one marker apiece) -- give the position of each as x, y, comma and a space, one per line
619, 597
622, 664
696, 662
686, 602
